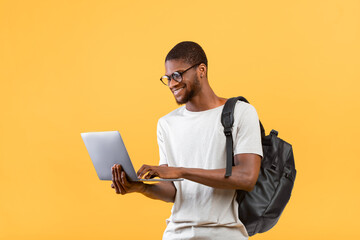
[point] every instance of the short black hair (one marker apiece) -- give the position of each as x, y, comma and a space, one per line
188, 51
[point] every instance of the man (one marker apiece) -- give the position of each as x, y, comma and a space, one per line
192, 146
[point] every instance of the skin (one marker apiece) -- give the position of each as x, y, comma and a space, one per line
198, 96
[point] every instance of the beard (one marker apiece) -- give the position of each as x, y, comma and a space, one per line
194, 88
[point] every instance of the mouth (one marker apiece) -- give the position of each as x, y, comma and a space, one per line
177, 90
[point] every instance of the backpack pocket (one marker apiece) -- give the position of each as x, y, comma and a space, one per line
279, 200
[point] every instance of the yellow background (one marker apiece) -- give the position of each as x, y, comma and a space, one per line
68, 67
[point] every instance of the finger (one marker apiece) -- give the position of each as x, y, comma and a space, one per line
114, 180
144, 168
121, 172
140, 169
151, 174
117, 181
123, 181
121, 187
112, 185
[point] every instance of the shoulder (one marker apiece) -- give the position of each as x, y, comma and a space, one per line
244, 112
243, 107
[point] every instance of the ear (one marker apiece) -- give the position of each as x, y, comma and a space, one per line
202, 70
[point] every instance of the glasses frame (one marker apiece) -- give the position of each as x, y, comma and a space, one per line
176, 72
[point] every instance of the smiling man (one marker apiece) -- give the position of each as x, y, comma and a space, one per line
192, 146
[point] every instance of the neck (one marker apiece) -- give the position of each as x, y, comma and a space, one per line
204, 100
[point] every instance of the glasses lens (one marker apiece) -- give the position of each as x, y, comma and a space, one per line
177, 76
165, 80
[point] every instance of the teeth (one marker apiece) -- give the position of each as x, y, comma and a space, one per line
178, 90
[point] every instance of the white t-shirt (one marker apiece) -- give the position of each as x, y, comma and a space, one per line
196, 140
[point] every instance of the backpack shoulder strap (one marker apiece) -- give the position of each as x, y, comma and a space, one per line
227, 120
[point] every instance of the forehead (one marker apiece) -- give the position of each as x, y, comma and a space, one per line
175, 65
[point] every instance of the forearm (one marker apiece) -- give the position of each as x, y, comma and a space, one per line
216, 178
164, 191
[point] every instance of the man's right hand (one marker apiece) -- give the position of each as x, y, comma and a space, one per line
121, 184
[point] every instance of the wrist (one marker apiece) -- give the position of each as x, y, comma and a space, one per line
142, 188
182, 172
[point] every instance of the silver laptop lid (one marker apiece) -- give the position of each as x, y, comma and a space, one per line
105, 150
108, 148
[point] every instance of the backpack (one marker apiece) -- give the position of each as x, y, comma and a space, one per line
260, 209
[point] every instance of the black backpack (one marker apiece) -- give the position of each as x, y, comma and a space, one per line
260, 209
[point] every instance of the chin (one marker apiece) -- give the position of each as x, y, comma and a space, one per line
186, 97
180, 102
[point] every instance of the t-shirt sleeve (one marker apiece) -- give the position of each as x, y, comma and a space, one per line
248, 134
161, 143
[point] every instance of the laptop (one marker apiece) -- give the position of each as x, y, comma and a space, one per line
106, 149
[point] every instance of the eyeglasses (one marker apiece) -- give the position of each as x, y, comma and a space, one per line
177, 76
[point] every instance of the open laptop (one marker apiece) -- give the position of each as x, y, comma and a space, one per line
106, 149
